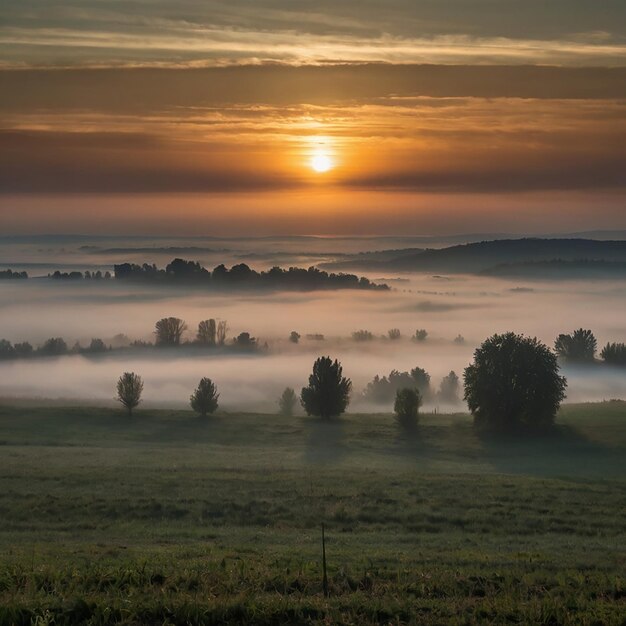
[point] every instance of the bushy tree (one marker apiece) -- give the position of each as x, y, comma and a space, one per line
407, 404
362, 335
169, 331
287, 402
129, 390
420, 335
613, 353
382, 390
449, 388
7, 351
421, 380
328, 392
23, 349
394, 334
97, 345
245, 341
294, 337
204, 399
207, 333
514, 384
54, 346
459, 340
580, 346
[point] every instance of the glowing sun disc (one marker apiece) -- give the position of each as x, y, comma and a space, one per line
321, 163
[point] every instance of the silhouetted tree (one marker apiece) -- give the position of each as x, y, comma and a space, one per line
287, 402
449, 388
23, 349
580, 346
459, 339
183, 270
96, 345
7, 351
407, 404
120, 341
207, 333
169, 331
362, 335
514, 384
129, 389
328, 392
420, 335
421, 380
382, 390
613, 353
54, 346
245, 341
294, 337
394, 333
10, 274
204, 399
222, 330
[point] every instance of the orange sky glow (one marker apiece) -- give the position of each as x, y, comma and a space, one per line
323, 122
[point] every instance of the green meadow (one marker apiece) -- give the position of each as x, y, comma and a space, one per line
168, 518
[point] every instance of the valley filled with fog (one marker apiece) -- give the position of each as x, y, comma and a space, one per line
458, 311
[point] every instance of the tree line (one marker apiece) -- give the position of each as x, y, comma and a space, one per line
10, 275
577, 347
169, 332
183, 272
512, 385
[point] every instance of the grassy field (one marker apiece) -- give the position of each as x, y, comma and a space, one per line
165, 518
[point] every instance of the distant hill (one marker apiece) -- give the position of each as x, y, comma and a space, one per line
487, 255
559, 269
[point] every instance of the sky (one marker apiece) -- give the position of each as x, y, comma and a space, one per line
297, 117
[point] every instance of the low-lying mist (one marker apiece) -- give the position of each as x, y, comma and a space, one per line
445, 306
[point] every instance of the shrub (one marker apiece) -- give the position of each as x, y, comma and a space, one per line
514, 384
204, 399
328, 392
129, 390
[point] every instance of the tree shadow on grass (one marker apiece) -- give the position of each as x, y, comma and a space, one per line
561, 452
325, 440
414, 439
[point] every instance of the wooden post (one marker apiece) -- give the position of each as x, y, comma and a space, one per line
325, 576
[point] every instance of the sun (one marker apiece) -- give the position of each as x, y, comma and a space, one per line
321, 163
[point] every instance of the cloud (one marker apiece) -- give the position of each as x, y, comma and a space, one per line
562, 31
